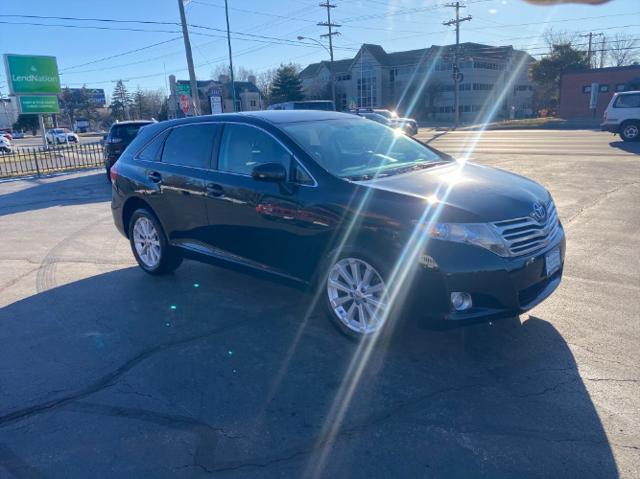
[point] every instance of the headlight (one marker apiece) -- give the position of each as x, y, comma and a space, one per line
478, 234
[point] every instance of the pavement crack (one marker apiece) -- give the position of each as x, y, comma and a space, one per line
110, 378
589, 206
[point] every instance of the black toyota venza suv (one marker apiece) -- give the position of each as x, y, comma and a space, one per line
373, 219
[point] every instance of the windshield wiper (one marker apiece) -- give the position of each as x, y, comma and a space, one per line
416, 166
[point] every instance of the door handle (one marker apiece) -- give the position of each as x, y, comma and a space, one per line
214, 190
154, 176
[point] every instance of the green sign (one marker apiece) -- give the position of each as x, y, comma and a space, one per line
183, 88
30, 75
38, 104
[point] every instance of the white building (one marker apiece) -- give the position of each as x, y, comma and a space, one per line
420, 83
8, 112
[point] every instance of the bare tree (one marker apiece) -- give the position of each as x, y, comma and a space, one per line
264, 81
559, 37
622, 50
240, 73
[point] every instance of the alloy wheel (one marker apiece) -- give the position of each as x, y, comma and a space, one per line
147, 242
357, 295
631, 131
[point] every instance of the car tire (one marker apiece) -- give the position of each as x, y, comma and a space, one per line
149, 244
630, 131
352, 285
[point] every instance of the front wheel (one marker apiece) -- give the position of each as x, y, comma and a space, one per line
630, 131
356, 296
149, 245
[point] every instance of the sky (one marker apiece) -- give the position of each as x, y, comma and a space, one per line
264, 32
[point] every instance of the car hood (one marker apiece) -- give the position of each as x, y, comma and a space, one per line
404, 120
465, 192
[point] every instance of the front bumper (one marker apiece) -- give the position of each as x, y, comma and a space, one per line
611, 127
499, 287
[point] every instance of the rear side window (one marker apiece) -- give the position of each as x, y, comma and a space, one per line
628, 101
190, 145
151, 152
243, 147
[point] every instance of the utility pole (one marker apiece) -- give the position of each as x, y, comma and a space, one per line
456, 56
195, 99
602, 50
331, 33
233, 85
590, 35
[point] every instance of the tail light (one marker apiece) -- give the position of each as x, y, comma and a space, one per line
113, 172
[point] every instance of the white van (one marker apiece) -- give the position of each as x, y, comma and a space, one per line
622, 116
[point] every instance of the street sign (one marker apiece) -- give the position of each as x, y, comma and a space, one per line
183, 88
37, 104
216, 104
185, 103
458, 76
593, 100
29, 74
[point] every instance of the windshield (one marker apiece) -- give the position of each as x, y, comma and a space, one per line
58, 130
357, 149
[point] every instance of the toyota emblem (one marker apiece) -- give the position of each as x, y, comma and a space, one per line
539, 212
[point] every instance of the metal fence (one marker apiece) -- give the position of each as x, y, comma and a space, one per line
30, 161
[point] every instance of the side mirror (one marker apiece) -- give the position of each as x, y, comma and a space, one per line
272, 172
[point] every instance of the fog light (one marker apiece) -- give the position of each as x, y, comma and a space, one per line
461, 301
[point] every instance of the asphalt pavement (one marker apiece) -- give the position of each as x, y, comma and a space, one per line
107, 372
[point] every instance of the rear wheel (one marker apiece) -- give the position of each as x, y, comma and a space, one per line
356, 296
149, 245
630, 131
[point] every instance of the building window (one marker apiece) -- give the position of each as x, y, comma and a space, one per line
488, 65
483, 86
524, 88
367, 88
252, 102
620, 86
342, 101
604, 88
343, 77
586, 89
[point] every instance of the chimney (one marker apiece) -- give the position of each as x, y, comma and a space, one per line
223, 79
252, 79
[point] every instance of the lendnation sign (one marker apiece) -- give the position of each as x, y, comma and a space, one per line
32, 75
32, 104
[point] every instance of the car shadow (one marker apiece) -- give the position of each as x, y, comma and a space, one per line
628, 146
209, 370
38, 193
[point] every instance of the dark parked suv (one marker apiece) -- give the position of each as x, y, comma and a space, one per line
120, 135
372, 218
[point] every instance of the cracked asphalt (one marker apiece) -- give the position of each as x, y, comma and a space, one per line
107, 372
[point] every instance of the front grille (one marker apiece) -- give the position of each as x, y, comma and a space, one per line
526, 235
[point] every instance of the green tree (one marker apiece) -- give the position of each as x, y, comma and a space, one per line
120, 102
286, 85
86, 107
547, 72
27, 122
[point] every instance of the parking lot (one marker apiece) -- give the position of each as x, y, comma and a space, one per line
107, 372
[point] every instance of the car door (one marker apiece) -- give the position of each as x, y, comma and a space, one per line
268, 225
180, 176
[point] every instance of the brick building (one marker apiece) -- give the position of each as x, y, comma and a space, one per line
575, 89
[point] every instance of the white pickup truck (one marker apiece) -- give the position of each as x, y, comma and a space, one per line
622, 115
